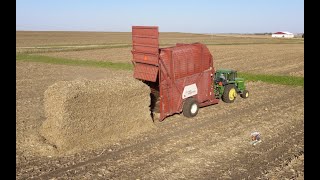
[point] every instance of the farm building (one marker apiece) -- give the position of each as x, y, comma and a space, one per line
282, 34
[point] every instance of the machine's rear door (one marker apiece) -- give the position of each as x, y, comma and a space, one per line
145, 51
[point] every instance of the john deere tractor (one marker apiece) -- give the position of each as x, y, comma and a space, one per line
228, 85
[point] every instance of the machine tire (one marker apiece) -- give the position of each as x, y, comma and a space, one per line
190, 107
245, 94
229, 94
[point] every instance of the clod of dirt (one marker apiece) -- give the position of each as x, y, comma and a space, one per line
85, 114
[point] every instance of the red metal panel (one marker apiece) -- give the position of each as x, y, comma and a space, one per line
187, 60
204, 87
145, 72
207, 59
150, 31
165, 84
164, 100
146, 58
180, 66
145, 44
145, 49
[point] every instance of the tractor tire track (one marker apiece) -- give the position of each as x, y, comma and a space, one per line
160, 140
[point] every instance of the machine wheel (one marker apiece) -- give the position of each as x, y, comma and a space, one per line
245, 94
190, 107
229, 94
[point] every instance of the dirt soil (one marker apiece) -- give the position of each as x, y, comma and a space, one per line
122, 55
213, 145
275, 59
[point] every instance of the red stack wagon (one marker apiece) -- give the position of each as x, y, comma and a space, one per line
180, 77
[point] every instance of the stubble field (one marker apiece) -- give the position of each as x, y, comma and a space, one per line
213, 145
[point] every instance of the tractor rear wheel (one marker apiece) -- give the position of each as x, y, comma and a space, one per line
229, 94
245, 94
190, 107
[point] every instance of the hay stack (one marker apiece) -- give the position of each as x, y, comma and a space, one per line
86, 114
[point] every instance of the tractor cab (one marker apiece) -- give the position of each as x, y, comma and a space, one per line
228, 85
227, 75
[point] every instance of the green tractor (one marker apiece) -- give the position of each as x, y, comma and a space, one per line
228, 85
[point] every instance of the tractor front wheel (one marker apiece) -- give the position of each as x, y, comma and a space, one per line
190, 107
229, 94
245, 94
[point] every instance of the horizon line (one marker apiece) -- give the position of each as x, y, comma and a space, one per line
159, 31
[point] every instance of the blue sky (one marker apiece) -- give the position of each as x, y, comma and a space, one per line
197, 16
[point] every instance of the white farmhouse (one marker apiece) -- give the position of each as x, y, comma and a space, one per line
282, 34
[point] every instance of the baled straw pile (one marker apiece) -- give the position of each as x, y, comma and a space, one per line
85, 114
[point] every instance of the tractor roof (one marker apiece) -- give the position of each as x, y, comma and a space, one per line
225, 70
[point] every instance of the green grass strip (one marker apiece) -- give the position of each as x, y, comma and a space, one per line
274, 79
55, 60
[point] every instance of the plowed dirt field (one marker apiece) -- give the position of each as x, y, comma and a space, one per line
98, 127
213, 145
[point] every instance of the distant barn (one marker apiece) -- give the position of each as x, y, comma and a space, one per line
282, 34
